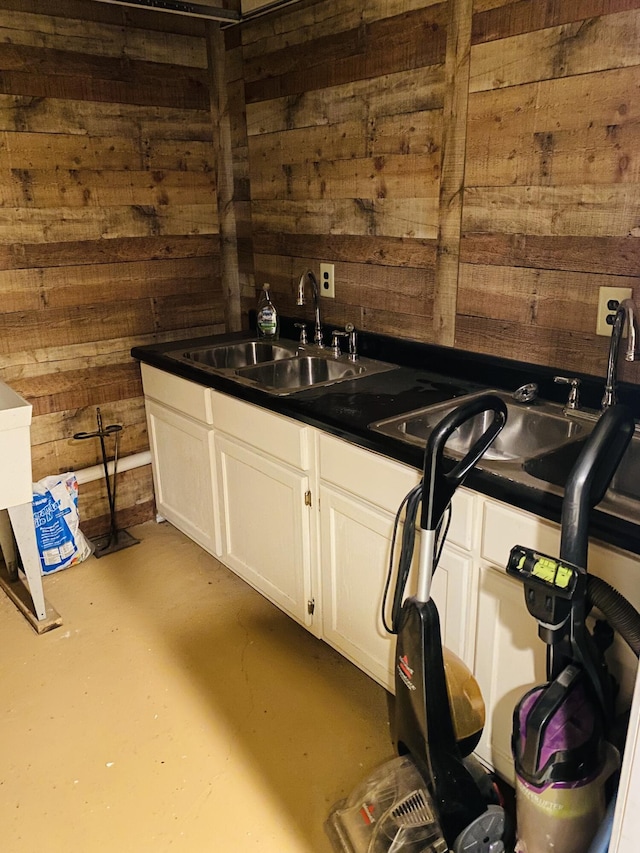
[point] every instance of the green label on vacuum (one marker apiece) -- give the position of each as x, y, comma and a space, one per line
548, 570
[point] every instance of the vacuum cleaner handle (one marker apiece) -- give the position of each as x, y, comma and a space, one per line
585, 487
439, 485
590, 478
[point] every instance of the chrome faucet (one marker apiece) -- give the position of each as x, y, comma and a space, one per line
353, 341
310, 276
626, 312
352, 336
573, 402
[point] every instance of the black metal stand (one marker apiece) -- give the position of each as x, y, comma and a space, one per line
114, 540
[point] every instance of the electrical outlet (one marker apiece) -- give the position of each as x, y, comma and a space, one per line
605, 294
327, 281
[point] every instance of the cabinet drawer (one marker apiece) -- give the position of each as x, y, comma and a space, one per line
372, 478
461, 527
184, 396
273, 434
504, 527
384, 483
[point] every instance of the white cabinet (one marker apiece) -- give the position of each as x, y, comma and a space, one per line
266, 526
360, 493
355, 539
454, 590
238, 480
181, 440
266, 504
509, 660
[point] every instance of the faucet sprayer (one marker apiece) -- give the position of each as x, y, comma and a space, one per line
626, 312
310, 276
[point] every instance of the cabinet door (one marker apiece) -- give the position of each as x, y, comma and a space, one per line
510, 659
355, 542
454, 591
266, 525
183, 474
355, 546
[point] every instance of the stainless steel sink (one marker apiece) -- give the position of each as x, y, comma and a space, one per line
281, 367
555, 467
294, 373
235, 355
624, 490
626, 480
531, 429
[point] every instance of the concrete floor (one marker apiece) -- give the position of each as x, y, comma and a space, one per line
175, 710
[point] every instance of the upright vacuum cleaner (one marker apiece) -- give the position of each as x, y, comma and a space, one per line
432, 798
562, 730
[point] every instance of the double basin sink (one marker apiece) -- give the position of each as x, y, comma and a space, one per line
281, 367
539, 443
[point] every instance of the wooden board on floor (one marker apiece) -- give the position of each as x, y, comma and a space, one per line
19, 595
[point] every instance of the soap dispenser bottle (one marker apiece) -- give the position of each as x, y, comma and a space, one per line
267, 319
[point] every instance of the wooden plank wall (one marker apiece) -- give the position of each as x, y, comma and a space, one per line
108, 221
239, 153
344, 107
551, 205
359, 148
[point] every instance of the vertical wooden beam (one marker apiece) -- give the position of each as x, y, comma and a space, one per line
224, 177
456, 95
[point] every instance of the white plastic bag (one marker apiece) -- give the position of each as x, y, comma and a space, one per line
55, 515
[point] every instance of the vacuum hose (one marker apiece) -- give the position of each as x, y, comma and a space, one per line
621, 615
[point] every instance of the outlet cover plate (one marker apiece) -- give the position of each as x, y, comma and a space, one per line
327, 281
604, 295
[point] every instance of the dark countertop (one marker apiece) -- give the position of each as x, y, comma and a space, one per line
425, 374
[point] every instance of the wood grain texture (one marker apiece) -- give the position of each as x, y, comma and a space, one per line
412, 217
55, 188
565, 350
388, 251
402, 42
538, 192
295, 24
382, 177
499, 20
134, 502
612, 41
27, 114
608, 211
610, 255
109, 232
344, 124
220, 117
26, 28
393, 94
454, 143
533, 297
46, 72
118, 249
551, 180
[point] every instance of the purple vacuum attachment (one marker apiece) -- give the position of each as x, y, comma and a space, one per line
557, 734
